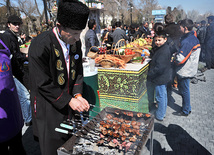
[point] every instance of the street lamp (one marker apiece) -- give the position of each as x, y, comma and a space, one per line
131, 7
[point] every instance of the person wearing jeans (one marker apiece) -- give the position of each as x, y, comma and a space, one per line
187, 63
183, 87
161, 97
159, 73
160, 92
24, 99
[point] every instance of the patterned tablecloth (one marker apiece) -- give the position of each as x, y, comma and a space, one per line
124, 88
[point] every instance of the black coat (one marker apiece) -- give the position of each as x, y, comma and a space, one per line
201, 34
174, 32
160, 66
52, 88
209, 46
144, 31
18, 58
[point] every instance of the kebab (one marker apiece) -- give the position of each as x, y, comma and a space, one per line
120, 129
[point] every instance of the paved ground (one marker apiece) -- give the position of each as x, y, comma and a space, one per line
176, 135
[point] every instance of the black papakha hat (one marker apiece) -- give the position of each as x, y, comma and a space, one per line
14, 19
210, 17
72, 14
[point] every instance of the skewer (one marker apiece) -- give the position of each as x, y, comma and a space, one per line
67, 126
63, 131
94, 106
72, 122
95, 111
93, 118
141, 127
88, 137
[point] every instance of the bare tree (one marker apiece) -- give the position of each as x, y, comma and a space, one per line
31, 10
146, 7
139, 9
193, 15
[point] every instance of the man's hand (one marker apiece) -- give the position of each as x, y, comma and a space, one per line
79, 104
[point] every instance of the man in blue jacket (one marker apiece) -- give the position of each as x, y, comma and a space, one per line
187, 63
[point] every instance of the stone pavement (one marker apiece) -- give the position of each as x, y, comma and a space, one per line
176, 135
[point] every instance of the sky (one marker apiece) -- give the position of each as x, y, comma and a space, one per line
202, 6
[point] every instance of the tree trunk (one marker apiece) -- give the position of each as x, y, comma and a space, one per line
8, 8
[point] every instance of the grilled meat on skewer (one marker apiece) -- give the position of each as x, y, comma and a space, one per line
123, 138
133, 139
133, 123
109, 116
127, 121
121, 120
139, 114
112, 144
117, 112
115, 119
128, 146
130, 114
136, 127
147, 115
104, 132
100, 142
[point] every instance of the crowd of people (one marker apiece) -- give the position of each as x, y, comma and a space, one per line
203, 30
54, 60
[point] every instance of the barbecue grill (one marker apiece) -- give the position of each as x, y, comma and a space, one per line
111, 131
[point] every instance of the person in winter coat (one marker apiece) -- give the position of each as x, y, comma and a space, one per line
9, 37
56, 75
201, 34
209, 43
90, 36
174, 34
144, 30
159, 73
187, 63
118, 33
172, 30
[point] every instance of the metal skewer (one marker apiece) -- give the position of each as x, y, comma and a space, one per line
94, 106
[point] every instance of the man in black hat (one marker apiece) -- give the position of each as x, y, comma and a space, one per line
10, 38
56, 75
209, 43
13, 144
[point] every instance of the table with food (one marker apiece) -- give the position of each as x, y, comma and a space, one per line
122, 73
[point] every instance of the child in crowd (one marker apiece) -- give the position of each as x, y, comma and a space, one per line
187, 63
159, 73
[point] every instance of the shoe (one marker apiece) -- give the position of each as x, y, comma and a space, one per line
180, 114
29, 123
190, 112
160, 120
204, 69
